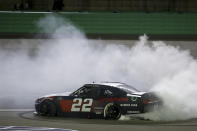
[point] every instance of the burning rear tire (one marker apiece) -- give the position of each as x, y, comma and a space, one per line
112, 111
48, 108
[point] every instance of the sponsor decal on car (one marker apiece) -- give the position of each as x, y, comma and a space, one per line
133, 105
98, 113
133, 112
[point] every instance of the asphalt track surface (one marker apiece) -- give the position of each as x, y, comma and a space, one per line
27, 118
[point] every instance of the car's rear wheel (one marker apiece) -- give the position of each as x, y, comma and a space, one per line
112, 111
48, 108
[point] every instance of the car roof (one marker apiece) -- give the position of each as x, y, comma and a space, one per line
114, 84
117, 85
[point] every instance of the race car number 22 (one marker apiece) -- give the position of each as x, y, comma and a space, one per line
81, 105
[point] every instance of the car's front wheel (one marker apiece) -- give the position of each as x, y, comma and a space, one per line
112, 111
48, 108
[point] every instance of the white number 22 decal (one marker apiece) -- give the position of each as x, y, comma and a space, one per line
86, 105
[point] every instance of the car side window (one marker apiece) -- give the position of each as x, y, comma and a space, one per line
112, 92
107, 92
92, 92
87, 91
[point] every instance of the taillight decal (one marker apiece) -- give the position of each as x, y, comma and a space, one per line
145, 101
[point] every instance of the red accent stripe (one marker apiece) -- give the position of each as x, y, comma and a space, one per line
66, 105
113, 99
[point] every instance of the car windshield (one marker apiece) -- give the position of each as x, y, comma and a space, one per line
85, 91
128, 89
78, 91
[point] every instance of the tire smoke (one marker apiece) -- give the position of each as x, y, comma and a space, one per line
69, 60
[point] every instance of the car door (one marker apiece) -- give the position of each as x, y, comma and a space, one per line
83, 100
112, 95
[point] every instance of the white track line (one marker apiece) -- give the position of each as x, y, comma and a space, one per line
12, 110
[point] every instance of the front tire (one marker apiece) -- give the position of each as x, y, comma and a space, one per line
112, 111
48, 108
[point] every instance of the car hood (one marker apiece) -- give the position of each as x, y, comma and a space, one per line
58, 94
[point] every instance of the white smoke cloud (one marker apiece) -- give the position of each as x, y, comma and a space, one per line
69, 60
171, 73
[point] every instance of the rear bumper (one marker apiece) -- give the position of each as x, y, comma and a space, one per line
152, 106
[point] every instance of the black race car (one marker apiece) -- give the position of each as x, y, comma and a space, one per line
107, 100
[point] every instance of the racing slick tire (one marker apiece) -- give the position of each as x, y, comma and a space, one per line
48, 108
112, 112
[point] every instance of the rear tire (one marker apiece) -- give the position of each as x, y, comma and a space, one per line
48, 108
112, 111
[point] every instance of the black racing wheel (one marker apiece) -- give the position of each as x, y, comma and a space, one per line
112, 111
48, 108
